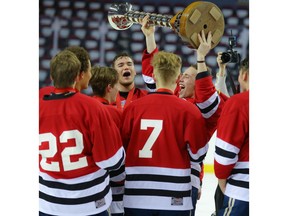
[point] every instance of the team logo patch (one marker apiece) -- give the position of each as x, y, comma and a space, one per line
100, 203
176, 201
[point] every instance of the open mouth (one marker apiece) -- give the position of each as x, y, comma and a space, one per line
126, 74
181, 86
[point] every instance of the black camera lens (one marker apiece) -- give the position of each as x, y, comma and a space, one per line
225, 57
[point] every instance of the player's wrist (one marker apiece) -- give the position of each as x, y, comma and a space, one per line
200, 59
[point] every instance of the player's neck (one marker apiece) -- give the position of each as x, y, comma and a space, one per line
123, 88
170, 87
108, 99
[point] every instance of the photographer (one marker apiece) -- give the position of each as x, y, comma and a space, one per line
231, 56
221, 75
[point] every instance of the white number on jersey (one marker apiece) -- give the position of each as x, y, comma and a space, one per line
146, 152
65, 154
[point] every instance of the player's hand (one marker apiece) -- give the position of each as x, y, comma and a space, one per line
147, 29
199, 193
205, 44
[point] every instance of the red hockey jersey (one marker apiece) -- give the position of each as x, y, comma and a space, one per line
132, 95
116, 182
78, 144
46, 91
114, 112
160, 131
232, 147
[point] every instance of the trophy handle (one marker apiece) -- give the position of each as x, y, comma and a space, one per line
187, 24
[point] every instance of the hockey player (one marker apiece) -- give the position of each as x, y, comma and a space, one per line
78, 145
84, 76
160, 132
231, 162
195, 86
128, 92
104, 83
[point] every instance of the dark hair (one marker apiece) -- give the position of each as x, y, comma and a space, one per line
82, 55
101, 78
121, 55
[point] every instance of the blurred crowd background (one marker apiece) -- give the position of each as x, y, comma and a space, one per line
85, 23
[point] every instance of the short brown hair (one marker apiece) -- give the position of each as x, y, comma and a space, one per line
101, 78
64, 68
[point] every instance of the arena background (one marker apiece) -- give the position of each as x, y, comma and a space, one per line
84, 23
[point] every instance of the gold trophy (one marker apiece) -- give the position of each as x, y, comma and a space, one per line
187, 24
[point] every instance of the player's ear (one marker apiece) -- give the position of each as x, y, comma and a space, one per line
108, 88
80, 75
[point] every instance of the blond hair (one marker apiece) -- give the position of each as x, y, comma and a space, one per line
167, 65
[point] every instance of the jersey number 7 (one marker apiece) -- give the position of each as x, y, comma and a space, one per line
146, 151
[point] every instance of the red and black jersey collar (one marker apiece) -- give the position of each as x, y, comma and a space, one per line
60, 93
64, 90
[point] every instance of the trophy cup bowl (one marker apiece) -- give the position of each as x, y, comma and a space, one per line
187, 24
117, 18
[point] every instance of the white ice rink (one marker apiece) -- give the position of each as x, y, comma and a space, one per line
205, 206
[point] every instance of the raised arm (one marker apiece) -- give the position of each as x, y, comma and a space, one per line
148, 53
206, 97
149, 32
203, 50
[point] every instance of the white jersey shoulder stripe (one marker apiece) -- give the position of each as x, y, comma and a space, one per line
148, 79
208, 102
119, 156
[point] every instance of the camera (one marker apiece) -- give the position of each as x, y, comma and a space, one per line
231, 56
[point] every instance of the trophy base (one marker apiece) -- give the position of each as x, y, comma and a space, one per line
196, 17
